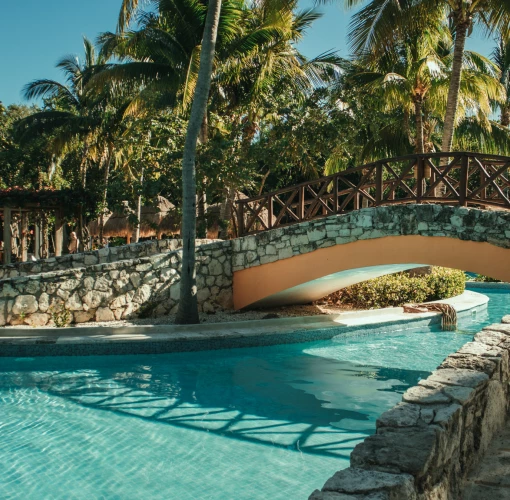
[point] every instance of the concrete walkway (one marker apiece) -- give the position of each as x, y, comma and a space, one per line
490, 480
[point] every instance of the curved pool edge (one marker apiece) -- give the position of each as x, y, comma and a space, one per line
159, 339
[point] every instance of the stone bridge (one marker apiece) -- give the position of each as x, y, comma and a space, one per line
292, 264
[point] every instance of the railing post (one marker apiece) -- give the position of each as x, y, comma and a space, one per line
335, 194
463, 180
240, 217
301, 208
483, 178
420, 175
7, 236
269, 212
59, 232
378, 184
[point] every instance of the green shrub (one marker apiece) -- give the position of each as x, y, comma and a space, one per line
400, 288
486, 279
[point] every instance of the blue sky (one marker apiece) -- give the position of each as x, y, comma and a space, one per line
35, 34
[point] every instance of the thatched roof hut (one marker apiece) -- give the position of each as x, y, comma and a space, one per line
154, 221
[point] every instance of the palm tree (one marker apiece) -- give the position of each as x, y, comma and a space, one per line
79, 119
415, 79
188, 307
73, 118
377, 27
501, 57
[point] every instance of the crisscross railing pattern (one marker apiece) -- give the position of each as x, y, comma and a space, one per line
465, 179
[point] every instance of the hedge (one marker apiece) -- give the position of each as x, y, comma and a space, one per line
398, 289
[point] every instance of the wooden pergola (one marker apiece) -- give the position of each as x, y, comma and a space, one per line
24, 210
7, 213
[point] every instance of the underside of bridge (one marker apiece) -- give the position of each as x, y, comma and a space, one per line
310, 276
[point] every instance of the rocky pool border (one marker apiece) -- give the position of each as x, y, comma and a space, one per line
159, 339
425, 447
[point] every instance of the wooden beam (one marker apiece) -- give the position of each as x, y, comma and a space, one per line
7, 235
37, 240
59, 233
24, 236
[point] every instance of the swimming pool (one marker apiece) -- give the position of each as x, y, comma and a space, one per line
256, 423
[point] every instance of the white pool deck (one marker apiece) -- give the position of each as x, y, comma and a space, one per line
343, 323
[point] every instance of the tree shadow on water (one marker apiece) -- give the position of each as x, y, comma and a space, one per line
282, 402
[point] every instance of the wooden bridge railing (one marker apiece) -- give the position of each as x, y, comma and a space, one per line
465, 179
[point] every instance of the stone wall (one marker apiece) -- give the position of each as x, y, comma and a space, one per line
425, 220
117, 290
109, 254
425, 446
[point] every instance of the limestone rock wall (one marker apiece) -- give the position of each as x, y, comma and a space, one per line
117, 290
425, 446
425, 220
109, 254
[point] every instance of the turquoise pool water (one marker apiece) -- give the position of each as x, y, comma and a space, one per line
258, 423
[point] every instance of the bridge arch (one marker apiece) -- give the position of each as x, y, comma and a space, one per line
303, 262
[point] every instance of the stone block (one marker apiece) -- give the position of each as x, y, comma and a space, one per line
409, 450
316, 235
38, 319
44, 302
74, 303
355, 481
90, 260
479, 349
465, 378
25, 304
102, 284
298, 240
470, 362
94, 299
285, 253
3, 312
491, 337
459, 394
500, 327
83, 316
142, 294
444, 415
425, 396
104, 314
401, 415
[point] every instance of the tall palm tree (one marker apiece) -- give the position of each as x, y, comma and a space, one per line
415, 79
74, 117
188, 307
377, 26
501, 57
79, 119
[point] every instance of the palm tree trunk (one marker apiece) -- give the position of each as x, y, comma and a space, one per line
187, 312
202, 196
453, 91
83, 178
419, 125
505, 116
105, 193
227, 203
139, 209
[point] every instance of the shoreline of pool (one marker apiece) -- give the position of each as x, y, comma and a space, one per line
158, 339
